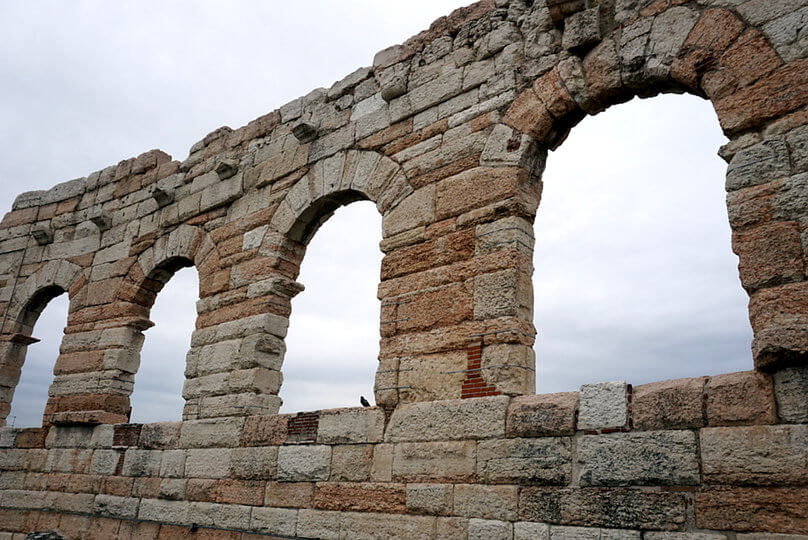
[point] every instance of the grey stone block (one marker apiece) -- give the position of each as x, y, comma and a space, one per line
603, 405
643, 458
791, 392
304, 463
544, 461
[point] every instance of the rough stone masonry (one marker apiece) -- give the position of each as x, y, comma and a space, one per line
447, 134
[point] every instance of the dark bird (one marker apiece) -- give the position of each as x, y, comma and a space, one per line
363, 401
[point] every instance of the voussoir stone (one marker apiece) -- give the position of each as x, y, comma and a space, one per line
479, 418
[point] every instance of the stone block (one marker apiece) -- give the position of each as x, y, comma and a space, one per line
546, 461
117, 507
254, 463
105, 462
525, 530
479, 418
351, 426
582, 30
264, 430
230, 516
758, 455
489, 529
791, 393
208, 463
211, 432
279, 521
644, 458
745, 397
369, 526
490, 502
603, 405
172, 464
542, 415
452, 528
674, 404
361, 497
381, 469
289, 494
776, 510
160, 436
142, 462
430, 499
450, 461
683, 536
415, 210
595, 507
304, 463
318, 524
164, 511
351, 463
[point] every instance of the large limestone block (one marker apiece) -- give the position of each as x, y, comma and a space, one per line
542, 415
480, 418
603, 405
361, 497
489, 502
304, 463
791, 391
746, 397
222, 432
758, 455
781, 510
351, 462
430, 499
208, 463
450, 461
490, 529
351, 426
643, 458
280, 521
370, 526
545, 461
595, 507
674, 404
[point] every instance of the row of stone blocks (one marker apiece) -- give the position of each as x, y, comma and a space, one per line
574, 459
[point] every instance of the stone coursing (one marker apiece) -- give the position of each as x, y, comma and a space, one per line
447, 134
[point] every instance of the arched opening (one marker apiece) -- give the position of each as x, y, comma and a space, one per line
170, 292
332, 344
634, 276
43, 322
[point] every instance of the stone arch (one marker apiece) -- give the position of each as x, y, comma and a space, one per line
28, 301
713, 54
336, 181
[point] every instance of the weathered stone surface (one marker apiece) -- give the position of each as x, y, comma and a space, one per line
274, 521
430, 499
777, 510
304, 463
544, 461
489, 529
599, 507
791, 393
490, 502
674, 404
361, 425
759, 455
360, 497
371, 526
683, 536
542, 415
648, 458
603, 405
524, 530
740, 398
452, 461
456, 419
351, 463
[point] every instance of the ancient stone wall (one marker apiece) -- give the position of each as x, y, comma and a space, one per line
447, 134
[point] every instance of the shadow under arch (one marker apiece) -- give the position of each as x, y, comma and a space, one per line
681, 50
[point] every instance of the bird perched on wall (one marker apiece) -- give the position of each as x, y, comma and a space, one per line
363, 401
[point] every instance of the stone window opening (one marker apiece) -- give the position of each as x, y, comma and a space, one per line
172, 294
31, 357
333, 333
597, 230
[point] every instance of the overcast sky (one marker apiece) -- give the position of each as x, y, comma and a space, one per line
634, 275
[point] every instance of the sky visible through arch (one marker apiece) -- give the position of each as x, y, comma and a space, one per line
634, 276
